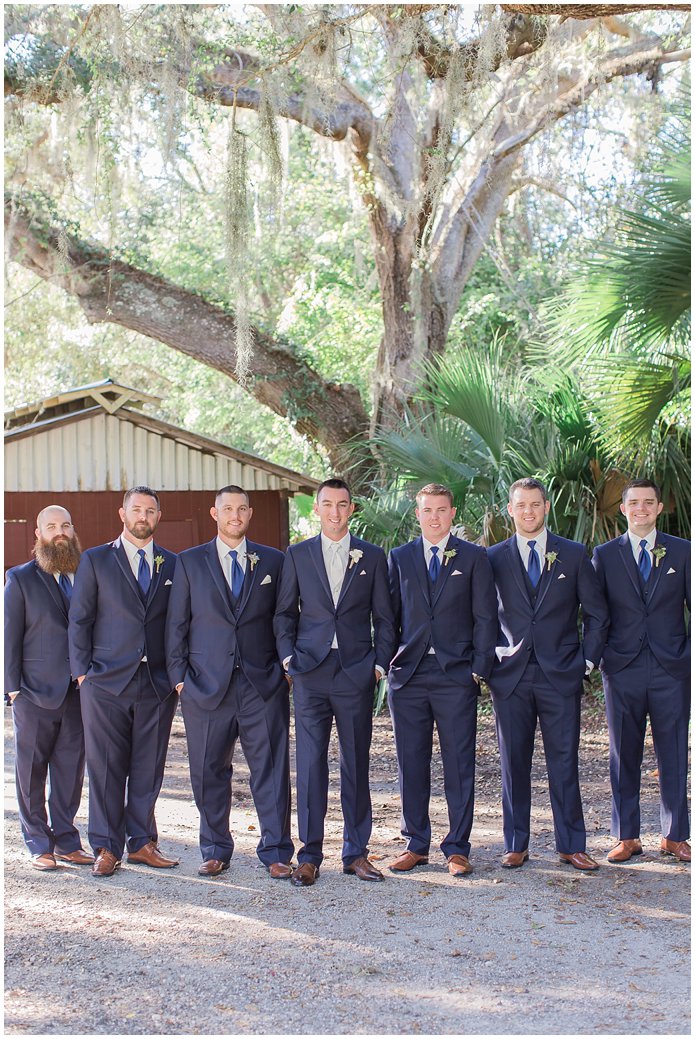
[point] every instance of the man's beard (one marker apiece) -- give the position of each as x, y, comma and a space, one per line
140, 529
62, 556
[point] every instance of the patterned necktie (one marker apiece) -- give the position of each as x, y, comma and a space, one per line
144, 575
237, 574
534, 564
65, 586
435, 565
644, 562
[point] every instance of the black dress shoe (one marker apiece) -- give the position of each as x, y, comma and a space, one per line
363, 869
305, 875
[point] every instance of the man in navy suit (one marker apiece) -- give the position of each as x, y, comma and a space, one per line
445, 609
49, 741
116, 635
222, 658
645, 576
542, 581
334, 590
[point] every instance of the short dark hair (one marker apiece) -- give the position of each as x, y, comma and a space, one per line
140, 489
632, 484
232, 488
528, 483
437, 489
335, 483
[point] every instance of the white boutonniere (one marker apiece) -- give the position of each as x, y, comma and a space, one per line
253, 559
158, 560
355, 556
659, 553
550, 558
449, 554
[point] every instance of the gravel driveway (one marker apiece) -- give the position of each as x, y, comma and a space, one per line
543, 950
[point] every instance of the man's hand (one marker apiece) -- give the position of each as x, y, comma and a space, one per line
80, 679
11, 697
178, 687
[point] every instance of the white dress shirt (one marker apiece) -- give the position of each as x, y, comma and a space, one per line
541, 540
132, 551
635, 539
223, 551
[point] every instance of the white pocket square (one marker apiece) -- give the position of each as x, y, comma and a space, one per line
561, 577
670, 570
363, 573
266, 579
456, 573
167, 582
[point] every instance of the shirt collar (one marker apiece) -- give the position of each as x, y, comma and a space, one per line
441, 545
132, 550
327, 543
635, 539
540, 540
223, 549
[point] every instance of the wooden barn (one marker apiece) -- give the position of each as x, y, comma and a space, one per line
83, 448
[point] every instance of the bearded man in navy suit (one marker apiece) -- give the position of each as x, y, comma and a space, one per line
116, 636
49, 741
445, 609
222, 658
334, 591
542, 581
645, 576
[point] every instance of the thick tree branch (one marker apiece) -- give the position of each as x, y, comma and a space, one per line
111, 291
591, 10
523, 36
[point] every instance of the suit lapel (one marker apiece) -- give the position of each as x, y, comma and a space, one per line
447, 566
548, 575
213, 561
250, 575
417, 555
122, 560
156, 574
628, 559
53, 589
350, 571
655, 575
516, 565
316, 553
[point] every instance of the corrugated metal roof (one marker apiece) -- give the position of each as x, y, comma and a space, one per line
96, 449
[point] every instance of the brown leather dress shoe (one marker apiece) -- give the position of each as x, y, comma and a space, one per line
78, 858
305, 875
212, 868
363, 869
458, 865
279, 871
623, 851
580, 860
150, 855
514, 859
106, 863
44, 862
406, 861
679, 849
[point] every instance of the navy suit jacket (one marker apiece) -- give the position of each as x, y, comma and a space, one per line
36, 636
457, 615
657, 618
549, 628
306, 619
111, 628
204, 637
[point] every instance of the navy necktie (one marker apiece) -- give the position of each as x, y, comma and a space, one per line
434, 564
144, 575
237, 574
534, 564
65, 586
644, 562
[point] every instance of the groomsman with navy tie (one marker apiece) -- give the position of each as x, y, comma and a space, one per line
334, 594
645, 576
445, 610
116, 636
542, 582
222, 658
49, 740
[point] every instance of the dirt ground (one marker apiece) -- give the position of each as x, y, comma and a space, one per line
544, 950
